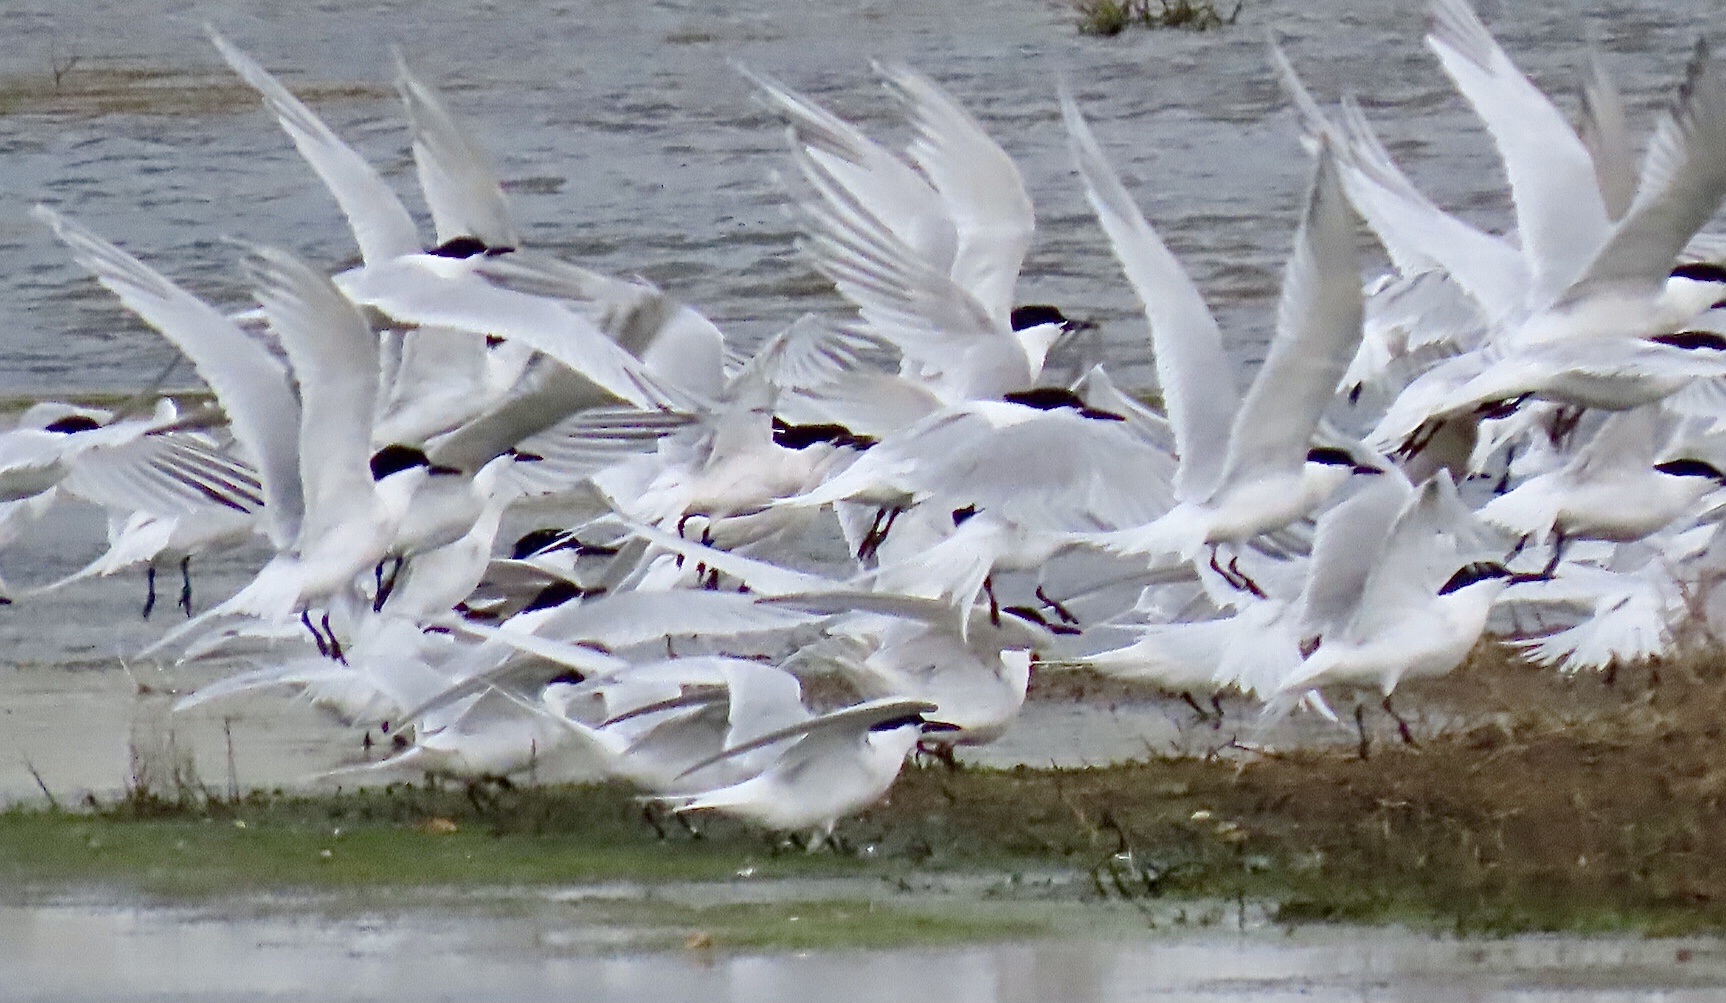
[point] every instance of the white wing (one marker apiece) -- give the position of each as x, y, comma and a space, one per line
1198, 388
857, 718
935, 323
380, 222
1682, 185
980, 186
1318, 330
894, 193
251, 384
1345, 549
334, 355
1559, 212
1606, 134
459, 180
424, 290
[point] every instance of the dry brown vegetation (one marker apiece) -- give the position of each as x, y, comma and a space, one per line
1558, 804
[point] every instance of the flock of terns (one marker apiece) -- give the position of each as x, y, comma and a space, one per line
1517, 424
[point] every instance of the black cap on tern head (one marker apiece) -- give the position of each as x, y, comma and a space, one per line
1701, 271
1330, 456
789, 436
895, 723
1050, 398
72, 423
1692, 340
396, 458
1032, 314
467, 247
1691, 467
538, 540
1470, 574
555, 594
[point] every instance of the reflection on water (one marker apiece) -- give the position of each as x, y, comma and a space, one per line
79, 951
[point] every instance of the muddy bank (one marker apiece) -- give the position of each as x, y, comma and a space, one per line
1554, 804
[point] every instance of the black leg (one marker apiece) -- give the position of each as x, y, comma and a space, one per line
335, 645
1365, 747
150, 595
1558, 542
941, 752
1061, 611
1242, 581
317, 638
1401, 725
650, 816
387, 585
186, 584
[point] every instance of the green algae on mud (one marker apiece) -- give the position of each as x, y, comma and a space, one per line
1602, 813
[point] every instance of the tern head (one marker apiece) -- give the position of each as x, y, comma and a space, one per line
1342, 459
555, 594
1050, 398
1691, 467
1489, 572
467, 247
1037, 328
72, 423
1023, 318
396, 458
1697, 286
1693, 340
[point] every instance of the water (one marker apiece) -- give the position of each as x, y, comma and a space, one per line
635, 149
544, 950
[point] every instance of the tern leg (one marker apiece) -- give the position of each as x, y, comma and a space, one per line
1242, 581
941, 752
1558, 542
1365, 747
878, 531
1217, 705
317, 638
1503, 484
1188, 698
387, 585
1401, 725
150, 586
186, 584
1061, 611
335, 645
649, 816
994, 605
1221, 571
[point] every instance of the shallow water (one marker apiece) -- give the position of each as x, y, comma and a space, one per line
634, 148
543, 949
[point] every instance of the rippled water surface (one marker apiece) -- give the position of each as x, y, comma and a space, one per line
544, 951
634, 148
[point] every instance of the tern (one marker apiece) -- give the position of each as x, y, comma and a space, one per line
1249, 467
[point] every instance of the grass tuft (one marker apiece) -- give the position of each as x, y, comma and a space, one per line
1111, 17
